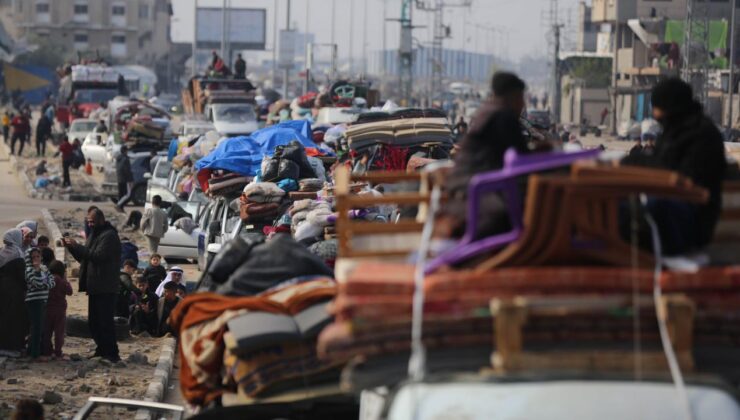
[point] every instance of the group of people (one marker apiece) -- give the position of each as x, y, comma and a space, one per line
34, 287
17, 129
218, 67
689, 144
33, 298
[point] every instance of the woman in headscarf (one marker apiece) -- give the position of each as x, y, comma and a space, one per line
13, 317
29, 229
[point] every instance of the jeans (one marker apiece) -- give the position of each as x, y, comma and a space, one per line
36, 314
125, 189
16, 137
100, 311
65, 169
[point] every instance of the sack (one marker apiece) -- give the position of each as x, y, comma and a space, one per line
288, 170
295, 152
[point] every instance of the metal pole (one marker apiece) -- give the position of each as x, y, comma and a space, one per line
333, 39
364, 39
193, 71
351, 37
286, 72
274, 44
223, 30
385, 21
615, 81
730, 119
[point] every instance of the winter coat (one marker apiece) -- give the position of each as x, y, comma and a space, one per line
100, 261
692, 146
154, 222
123, 169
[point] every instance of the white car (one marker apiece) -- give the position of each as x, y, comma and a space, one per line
94, 148
80, 128
195, 128
176, 243
231, 120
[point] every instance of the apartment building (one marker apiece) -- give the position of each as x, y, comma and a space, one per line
123, 31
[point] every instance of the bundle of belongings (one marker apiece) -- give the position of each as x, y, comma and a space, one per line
143, 127
389, 145
252, 330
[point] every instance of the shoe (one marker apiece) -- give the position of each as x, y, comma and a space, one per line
113, 359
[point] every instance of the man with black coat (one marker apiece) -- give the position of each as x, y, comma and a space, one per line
240, 68
43, 132
100, 259
125, 178
692, 146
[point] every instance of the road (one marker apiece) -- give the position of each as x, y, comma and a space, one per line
15, 206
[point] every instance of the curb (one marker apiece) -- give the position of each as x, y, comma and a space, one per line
158, 386
56, 235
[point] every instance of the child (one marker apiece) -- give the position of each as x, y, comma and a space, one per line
181, 291
56, 310
155, 273
28, 410
125, 288
42, 242
88, 167
143, 308
174, 275
38, 284
165, 306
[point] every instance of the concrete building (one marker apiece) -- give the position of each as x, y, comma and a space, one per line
457, 65
122, 31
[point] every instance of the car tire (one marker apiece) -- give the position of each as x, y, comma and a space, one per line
139, 195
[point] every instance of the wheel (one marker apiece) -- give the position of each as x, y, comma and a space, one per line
139, 195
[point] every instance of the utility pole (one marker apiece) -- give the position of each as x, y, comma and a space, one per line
406, 54
194, 52
556, 74
223, 30
385, 20
351, 37
274, 44
686, 62
730, 119
335, 51
286, 72
364, 40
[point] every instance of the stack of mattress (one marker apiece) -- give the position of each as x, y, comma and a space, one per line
401, 133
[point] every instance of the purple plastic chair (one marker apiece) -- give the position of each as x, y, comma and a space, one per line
504, 180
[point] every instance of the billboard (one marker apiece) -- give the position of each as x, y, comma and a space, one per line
245, 28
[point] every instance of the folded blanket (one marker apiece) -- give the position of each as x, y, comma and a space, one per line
297, 195
310, 185
263, 192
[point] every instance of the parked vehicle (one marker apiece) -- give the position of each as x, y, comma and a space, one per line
83, 90
195, 127
94, 148
218, 223
139, 167
161, 173
233, 119
80, 128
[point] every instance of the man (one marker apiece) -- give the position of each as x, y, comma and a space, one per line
66, 150
18, 123
461, 127
125, 178
173, 276
691, 145
43, 132
166, 304
6, 126
494, 129
101, 127
240, 68
154, 224
100, 259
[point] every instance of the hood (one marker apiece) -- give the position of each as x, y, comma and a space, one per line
231, 129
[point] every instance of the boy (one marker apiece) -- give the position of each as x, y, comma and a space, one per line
42, 242
154, 223
56, 310
165, 306
38, 284
143, 308
155, 273
181, 291
126, 288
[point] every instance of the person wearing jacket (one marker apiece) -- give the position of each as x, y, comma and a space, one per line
43, 132
19, 124
38, 283
66, 150
13, 314
100, 261
691, 145
154, 224
125, 178
56, 311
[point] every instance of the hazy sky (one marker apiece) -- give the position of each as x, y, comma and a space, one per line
521, 22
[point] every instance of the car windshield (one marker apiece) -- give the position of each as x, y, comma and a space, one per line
82, 126
162, 170
234, 113
89, 96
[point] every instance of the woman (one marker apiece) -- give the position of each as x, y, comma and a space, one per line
13, 317
29, 229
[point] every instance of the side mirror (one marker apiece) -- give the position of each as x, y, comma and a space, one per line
213, 248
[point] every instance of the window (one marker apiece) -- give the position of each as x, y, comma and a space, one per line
42, 12
118, 45
80, 38
118, 10
80, 12
118, 14
118, 39
143, 11
80, 9
42, 7
80, 41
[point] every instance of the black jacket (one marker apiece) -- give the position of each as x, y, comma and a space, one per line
123, 169
100, 261
43, 128
692, 146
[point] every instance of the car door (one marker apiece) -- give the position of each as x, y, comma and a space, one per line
176, 243
93, 149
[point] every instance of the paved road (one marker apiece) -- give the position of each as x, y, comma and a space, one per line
15, 205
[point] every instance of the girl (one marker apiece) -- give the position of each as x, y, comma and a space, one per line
38, 283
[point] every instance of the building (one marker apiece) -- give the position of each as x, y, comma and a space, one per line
457, 65
121, 31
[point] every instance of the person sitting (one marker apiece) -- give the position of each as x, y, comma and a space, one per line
173, 276
155, 273
143, 308
165, 305
691, 145
182, 291
125, 289
41, 168
101, 127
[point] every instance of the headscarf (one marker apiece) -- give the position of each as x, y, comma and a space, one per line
32, 225
175, 269
12, 240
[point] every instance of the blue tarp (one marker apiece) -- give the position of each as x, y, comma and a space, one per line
243, 155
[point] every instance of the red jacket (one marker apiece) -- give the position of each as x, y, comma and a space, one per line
66, 150
58, 294
20, 125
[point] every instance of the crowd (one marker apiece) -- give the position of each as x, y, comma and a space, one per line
34, 289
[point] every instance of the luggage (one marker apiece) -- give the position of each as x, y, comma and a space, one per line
145, 127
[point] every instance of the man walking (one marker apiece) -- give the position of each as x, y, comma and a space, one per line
100, 259
19, 133
240, 68
154, 224
66, 150
125, 178
43, 132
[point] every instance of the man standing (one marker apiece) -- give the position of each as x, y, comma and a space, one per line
240, 68
100, 259
66, 150
43, 132
154, 224
125, 178
19, 133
